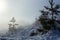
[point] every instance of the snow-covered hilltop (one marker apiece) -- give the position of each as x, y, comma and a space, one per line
25, 34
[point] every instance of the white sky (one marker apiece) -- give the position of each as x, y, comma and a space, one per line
24, 11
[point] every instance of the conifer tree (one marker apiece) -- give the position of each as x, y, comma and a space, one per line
44, 19
52, 11
12, 25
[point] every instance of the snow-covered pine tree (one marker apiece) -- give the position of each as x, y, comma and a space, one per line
52, 11
44, 19
12, 25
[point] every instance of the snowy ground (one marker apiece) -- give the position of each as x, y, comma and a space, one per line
25, 34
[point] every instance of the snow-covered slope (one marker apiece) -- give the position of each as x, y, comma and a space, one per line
25, 34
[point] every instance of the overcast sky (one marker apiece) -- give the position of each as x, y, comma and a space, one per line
24, 11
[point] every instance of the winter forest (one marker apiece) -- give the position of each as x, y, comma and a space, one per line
46, 26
